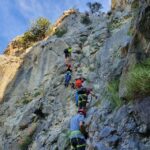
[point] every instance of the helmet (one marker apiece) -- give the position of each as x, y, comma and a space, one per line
82, 111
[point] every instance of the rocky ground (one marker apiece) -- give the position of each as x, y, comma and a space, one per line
37, 108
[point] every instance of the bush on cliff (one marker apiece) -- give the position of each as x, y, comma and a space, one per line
36, 32
39, 28
60, 32
138, 83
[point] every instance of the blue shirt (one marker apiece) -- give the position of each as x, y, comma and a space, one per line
75, 124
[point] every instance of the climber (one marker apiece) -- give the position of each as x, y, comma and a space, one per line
82, 98
77, 95
78, 133
78, 85
67, 78
67, 53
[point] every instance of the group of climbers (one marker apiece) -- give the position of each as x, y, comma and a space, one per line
78, 134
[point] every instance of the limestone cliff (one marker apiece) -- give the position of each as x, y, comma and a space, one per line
8, 69
36, 107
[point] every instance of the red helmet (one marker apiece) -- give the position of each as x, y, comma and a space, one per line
82, 111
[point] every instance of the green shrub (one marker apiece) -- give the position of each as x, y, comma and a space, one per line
85, 20
138, 82
114, 24
37, 94
36, 32
39, 28
26, 40
113, 88
60, 32
27, 98
135, 4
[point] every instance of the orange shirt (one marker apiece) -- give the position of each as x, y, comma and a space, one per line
78, 83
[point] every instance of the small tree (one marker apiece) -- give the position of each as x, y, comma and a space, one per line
39, 28
36, 32
60, 32
94, 7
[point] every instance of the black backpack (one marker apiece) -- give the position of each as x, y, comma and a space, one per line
82, 90
66, 50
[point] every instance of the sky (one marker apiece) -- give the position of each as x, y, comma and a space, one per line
16, 15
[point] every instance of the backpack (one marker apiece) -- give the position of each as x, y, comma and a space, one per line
65, 50
82, 91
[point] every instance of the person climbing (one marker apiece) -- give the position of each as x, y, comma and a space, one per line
78, 85
67, 53
82, 98
67, 78
83, 94
78, 134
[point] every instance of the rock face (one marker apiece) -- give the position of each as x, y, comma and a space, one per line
36, 107
8, 69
